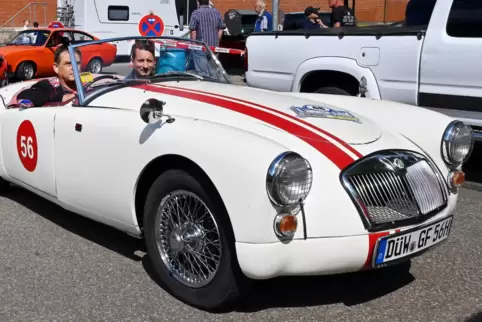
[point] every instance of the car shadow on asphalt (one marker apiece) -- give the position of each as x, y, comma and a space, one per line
93, 231
349, 289
477, 317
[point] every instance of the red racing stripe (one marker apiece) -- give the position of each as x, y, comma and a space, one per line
339, 157
343, 143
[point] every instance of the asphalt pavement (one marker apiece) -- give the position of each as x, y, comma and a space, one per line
58, 266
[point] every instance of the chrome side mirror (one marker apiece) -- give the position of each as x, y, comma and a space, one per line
152, 111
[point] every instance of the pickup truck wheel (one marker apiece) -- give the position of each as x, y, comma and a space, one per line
190, 242
332, 90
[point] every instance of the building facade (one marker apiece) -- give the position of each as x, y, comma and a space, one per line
14, 12
45, 11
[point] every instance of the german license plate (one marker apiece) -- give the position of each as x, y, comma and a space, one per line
408, 244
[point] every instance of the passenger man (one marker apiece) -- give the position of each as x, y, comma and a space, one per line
312, 21
264, 21
341, 16
55, 89
143, 58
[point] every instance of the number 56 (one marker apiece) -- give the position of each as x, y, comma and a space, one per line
26, 146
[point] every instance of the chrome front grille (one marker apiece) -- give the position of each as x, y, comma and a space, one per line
395, 186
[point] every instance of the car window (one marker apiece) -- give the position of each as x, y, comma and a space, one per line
81, 37
465, 19
57, 36
30, 38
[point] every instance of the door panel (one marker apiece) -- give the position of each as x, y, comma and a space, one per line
450, 64
96, 160
27, 143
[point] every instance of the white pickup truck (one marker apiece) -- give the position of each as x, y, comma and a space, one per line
432, 59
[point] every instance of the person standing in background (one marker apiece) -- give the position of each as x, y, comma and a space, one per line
341, 16
312, 20
264, 22
208, 26
26, 24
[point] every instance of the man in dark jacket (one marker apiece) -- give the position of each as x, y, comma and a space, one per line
341, 16
312, 21
55, 89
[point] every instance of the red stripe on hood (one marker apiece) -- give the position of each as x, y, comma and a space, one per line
339, 157
340, 141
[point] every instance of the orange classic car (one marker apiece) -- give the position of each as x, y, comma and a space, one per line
3, 72
31, 53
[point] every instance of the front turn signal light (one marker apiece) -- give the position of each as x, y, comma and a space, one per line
456, 178
285, 225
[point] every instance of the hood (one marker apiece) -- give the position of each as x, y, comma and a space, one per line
350, 127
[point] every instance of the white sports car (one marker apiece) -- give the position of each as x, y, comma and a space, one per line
229, 184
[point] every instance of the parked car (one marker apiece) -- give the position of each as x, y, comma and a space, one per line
3, 71
31, 53
431, 59
230, 184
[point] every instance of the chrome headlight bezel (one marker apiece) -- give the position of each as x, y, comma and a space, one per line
273, 184
448, 143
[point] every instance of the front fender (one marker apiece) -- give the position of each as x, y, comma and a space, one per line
344, 65
236, 161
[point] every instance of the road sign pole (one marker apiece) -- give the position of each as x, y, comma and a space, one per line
275, 14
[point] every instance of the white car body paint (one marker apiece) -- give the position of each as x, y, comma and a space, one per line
94, 172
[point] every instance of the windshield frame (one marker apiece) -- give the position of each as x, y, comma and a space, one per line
78, 82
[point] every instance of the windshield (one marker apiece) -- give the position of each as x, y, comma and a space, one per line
152, 59
30, 37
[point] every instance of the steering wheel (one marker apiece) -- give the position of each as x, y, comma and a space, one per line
87, 85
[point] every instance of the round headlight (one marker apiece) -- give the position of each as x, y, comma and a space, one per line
457, 143
289, 179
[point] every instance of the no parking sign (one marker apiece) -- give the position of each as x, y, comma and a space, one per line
151, 25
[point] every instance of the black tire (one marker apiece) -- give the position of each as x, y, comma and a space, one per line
332, 90
95, 66
228, 282
25, 71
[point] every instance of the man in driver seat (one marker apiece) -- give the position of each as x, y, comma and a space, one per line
55, 89
143, 59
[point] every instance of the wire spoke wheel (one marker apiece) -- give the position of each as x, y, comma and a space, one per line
188, 239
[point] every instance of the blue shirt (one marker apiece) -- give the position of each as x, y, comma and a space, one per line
207, 22
264, 22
